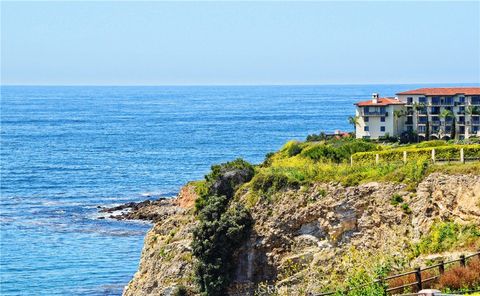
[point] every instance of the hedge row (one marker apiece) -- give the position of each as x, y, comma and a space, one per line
441, 153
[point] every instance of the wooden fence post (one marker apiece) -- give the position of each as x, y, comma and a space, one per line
433, 155
351, 160
418, 277
377, 158
404, 157
441, 267
384, 285
463, 261
462, 157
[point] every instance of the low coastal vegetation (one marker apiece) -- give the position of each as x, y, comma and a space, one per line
302, 163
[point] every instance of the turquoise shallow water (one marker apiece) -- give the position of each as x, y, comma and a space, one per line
67, 150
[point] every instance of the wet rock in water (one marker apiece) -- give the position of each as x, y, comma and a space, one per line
148, 210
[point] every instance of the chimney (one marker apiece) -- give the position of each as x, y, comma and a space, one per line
375, 98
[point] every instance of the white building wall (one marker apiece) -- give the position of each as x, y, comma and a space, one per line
375, 123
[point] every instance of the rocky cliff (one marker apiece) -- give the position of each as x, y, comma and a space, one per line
305, 239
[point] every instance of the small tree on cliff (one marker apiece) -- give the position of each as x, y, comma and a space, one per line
222, 227
215, 240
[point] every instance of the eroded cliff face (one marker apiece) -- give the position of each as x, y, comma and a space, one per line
301, 237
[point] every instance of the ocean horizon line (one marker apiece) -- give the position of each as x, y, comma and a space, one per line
236, 85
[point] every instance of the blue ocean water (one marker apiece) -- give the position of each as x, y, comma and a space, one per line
67, 150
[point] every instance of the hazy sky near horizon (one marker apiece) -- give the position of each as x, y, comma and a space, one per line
169, 43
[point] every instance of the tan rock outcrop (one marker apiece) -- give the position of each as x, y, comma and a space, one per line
300, 236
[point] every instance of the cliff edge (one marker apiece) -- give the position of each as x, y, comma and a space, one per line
307, 238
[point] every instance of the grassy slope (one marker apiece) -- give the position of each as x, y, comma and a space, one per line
300, 163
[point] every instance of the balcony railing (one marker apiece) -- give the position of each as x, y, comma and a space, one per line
374, 113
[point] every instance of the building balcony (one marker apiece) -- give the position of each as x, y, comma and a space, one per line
373, 113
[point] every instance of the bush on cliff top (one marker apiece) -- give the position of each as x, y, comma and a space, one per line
223, 179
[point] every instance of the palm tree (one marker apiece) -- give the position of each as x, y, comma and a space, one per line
353, 120
445, 115
472, 110
418, 107
398, 114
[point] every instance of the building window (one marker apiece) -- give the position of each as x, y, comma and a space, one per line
422, 129
382, 128
461, 100
422, 100
382, 119
409, 100
365, 128
366, 119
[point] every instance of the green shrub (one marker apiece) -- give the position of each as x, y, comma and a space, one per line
338, 151
433, 143
221, 227
218, 169
217, 236
396, 199
445, 236
180, 291
221, 181
270, 182
406, 208
321, 152
315, 138
268, 159
292, 148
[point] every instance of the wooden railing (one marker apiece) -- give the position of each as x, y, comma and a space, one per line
419, 279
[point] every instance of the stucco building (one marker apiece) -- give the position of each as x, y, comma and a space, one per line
430, 113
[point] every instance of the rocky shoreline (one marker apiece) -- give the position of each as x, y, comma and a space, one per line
152, 210
148, 210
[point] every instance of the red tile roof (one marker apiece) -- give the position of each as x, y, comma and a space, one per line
380, 102
445, 91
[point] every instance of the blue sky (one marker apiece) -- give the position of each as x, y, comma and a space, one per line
169, 43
